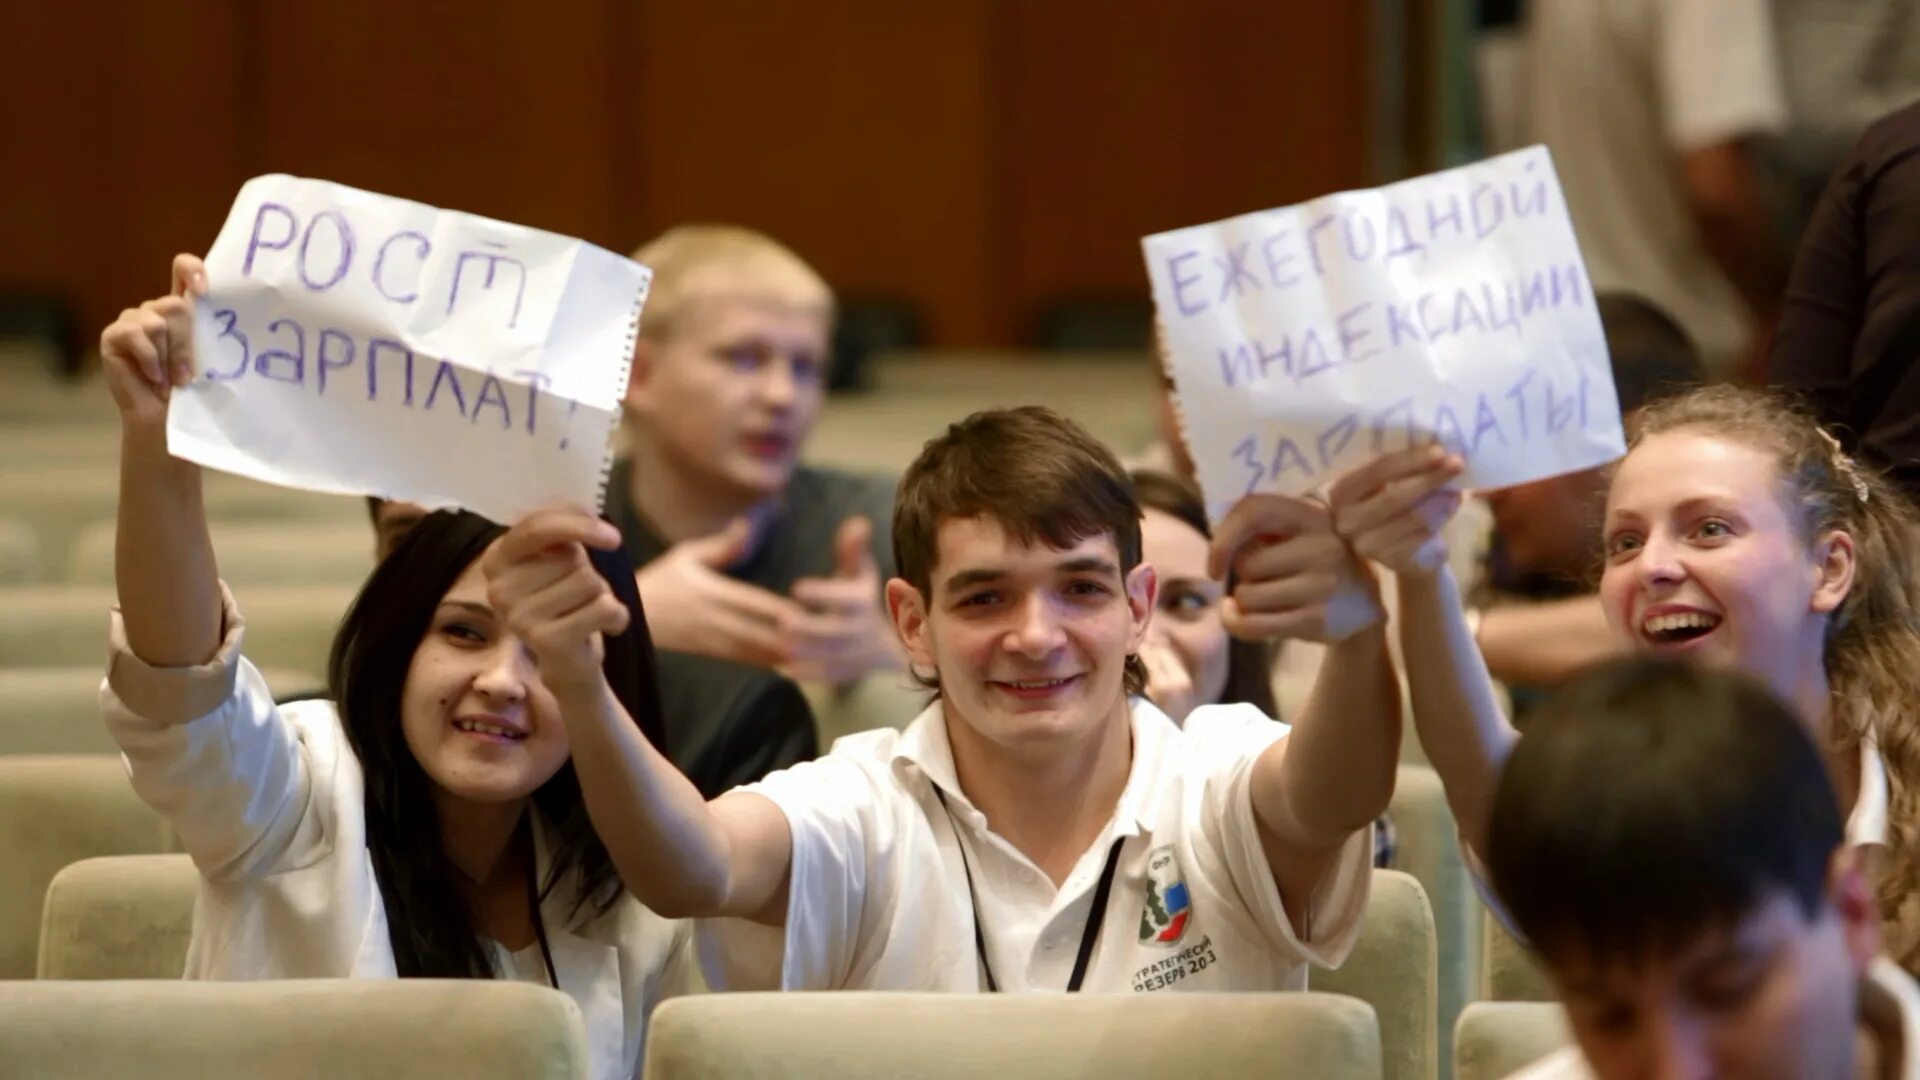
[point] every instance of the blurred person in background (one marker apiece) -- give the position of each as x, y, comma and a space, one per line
745, 553
1845, 64
1850, 330
1654, 111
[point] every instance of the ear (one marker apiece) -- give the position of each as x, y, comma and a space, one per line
1143, 589
1858, 910
646, 354
909, 611
1834, 562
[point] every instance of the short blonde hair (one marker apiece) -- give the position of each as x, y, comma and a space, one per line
685, 258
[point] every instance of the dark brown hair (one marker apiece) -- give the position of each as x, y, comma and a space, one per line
1037, 473
1249, 663
1652, 802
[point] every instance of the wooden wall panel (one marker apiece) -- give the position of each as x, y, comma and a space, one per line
978, 157
860, 132
119, 145
502, 109
1131, 119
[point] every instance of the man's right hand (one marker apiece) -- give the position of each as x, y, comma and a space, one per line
149, 349
693, 606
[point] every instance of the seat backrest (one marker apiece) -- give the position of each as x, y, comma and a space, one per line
1391, 968
252, 554
60, 500
62, 442
57, 500
56, 710
119, 917
56, 810
1508, 970
19, 553
291, 1029
1428, 847
54, 626
868, 1036
1498, 1038
290, 627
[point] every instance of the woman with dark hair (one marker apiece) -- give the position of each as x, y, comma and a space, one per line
428, 821
1190, 658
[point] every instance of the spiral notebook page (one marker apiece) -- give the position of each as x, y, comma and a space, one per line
365, 345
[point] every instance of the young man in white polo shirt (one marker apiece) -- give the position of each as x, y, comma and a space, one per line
1040, 826
1669, 838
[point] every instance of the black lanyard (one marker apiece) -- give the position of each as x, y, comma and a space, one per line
1095, 914
533, 906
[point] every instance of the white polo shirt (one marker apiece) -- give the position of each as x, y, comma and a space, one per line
880, 901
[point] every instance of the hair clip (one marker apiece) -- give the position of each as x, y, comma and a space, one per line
1844, 464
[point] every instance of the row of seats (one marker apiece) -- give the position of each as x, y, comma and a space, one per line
59, 527
129, 917
1416, 963
295, 1029
288, 626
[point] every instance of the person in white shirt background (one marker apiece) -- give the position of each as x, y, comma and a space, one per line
1656, 112
1039, 826
1667, 837
426, 821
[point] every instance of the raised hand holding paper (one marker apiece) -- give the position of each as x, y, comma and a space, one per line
355, 343
1453, 307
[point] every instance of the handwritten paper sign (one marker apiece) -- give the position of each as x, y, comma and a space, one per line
1453, 307
360, 344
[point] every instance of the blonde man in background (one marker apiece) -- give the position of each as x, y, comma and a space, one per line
745, 553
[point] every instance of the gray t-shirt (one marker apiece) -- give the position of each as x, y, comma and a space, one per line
798, 544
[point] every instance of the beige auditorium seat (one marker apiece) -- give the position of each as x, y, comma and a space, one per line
61, 442
252, 554
119, 917
35, 397
61, 500
1391, 968
57, 501
884, 699
56, 810
916, 395
1498, 1038
20, 561
54, 626
56, 710
1508, 971
290, 1030
870, 1036
1429, 849
288, 627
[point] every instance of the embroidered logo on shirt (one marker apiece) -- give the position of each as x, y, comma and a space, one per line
1164, 919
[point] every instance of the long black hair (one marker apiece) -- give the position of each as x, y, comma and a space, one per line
430, 921
1249, 663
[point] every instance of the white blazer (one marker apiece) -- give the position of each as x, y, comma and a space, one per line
270, 803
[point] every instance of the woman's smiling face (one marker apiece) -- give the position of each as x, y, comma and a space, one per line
1706, 558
